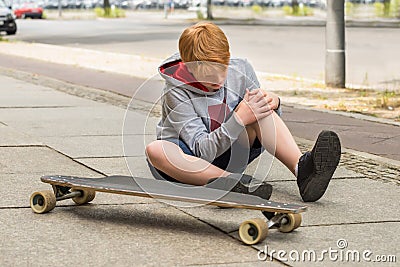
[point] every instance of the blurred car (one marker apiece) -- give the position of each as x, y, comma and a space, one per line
28, 10
7, 22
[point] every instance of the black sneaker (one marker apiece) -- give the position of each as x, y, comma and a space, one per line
241, 184
316, 168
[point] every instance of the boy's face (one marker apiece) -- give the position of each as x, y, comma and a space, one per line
211, 75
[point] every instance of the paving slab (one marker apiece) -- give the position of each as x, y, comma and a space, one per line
38, 161
298, 253
121, 235
94, 120
13, 137
98, 146
16, 93
253, 263
346, 201
119, 166
68, 121
83, 112
376, 238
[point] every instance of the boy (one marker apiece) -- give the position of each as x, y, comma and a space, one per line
216, 120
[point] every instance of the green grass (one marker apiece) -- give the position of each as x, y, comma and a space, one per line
298, 11
200, 15
348, 8
364, 113
257, 9
109, 12
363, 93
387, 99
387, 9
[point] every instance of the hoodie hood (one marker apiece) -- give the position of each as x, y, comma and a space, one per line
175, 72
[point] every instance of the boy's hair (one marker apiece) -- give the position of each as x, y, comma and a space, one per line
204, 41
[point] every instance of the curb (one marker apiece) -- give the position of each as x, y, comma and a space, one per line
309, 23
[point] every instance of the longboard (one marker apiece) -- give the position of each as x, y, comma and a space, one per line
286, 217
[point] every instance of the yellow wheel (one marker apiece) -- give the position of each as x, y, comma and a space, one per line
298, 220
253, 231
43, 201
293, 221
86, 197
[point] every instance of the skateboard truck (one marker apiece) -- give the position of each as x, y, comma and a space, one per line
45, 201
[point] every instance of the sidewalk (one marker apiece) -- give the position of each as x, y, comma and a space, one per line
50, 126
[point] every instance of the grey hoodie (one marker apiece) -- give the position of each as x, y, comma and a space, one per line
187, 110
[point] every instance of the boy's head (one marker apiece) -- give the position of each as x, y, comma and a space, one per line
206, 45
204, 41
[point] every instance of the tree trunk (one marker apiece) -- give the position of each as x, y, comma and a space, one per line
107, 8
209, 11
386, 8
295, 7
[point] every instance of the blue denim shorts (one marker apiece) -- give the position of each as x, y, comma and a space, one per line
225, 161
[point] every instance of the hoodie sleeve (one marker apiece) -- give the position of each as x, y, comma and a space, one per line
191, 128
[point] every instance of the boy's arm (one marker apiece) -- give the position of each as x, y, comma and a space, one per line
192, 129
273, 101
252, 84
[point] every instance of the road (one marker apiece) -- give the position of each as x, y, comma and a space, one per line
373, 57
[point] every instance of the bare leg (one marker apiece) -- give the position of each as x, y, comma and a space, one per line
170, 159
277, 140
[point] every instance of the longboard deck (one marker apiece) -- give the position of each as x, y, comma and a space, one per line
158, 189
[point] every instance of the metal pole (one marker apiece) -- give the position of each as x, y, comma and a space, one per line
59, 8
335, 61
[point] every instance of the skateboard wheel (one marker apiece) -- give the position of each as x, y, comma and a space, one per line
253, 231
86, 197
298, 220
293, 221
43, 201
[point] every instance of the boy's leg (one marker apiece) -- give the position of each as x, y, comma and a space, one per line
170, 159
277, 140
313, 169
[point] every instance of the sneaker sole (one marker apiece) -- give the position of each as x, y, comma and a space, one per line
326, 157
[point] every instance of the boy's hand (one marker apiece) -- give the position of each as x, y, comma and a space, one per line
272, 99
255, 106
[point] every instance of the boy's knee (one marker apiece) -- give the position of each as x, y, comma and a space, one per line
154, 150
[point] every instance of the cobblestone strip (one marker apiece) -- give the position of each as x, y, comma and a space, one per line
367, 167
